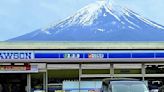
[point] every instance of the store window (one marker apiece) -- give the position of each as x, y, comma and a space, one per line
95, 71
154, 69
37, 83
127, 69
56, 78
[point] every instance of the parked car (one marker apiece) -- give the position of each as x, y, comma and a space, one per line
123, 85
154, 90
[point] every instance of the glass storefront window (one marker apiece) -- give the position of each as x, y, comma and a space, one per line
95, 71
154, 69
13, 82
37, 82
56, 78
127, 71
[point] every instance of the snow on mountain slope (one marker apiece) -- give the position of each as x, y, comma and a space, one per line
100, 21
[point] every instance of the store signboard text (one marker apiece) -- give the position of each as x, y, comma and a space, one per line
16, 55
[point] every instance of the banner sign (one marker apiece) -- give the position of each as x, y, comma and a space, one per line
18, 68
14, 68
70, 55
100, 55
11, 55
74, 55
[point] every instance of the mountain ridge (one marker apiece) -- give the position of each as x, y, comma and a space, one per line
100, 21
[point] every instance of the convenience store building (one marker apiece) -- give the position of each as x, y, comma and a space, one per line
49, 66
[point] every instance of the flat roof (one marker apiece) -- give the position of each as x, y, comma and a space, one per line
81, 45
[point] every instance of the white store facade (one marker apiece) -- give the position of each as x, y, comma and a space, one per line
50, 67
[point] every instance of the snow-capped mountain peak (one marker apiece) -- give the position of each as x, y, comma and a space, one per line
86, 15
100, 21
91, 12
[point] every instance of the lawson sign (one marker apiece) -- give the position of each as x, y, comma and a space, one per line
17, 55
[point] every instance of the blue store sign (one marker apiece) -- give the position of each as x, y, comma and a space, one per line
38, 56
22, 55
100, 55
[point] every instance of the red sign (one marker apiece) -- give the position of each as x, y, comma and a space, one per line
15, 67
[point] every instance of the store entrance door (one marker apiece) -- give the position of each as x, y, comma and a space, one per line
13, 82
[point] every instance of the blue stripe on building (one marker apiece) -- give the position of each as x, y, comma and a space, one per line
101, 55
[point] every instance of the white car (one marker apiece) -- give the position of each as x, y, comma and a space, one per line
154, 90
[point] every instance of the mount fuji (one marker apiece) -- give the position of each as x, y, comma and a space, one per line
99, 21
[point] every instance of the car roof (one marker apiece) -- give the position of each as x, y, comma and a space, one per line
107, 80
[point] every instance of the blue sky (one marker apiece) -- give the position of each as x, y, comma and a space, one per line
18, 17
